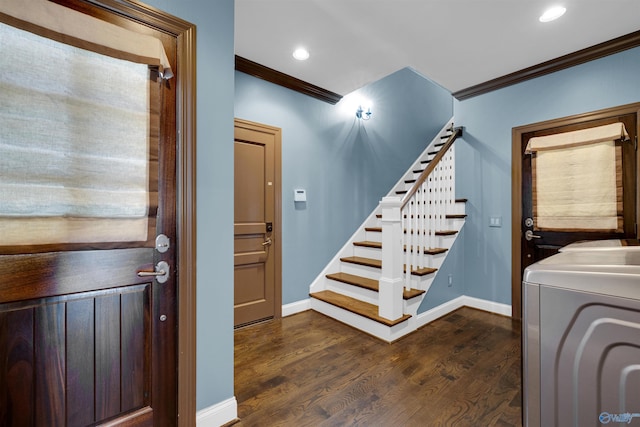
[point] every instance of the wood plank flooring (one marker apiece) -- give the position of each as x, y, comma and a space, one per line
310, 370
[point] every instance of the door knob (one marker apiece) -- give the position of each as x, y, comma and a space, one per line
267, 242
529, 235
161, 273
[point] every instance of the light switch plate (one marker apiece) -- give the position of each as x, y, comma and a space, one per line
495, 221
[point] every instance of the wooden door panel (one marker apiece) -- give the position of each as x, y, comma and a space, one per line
255, 242
62, 361
17, 406
33, 276
250, 186
81, 370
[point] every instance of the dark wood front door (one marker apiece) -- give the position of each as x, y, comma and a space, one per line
84, 339
257, 224
534, 244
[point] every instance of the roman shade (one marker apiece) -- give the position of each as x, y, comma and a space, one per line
76, 157
577, 179
68, 26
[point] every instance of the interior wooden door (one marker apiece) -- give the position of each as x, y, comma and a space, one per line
530, 244
257, 224
84, 339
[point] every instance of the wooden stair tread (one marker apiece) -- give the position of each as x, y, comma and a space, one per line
448, 216
437, 232
431, 251
353, 305
461, 200
412, 293
371, 284
377, 229
369, 262
423, 271
376, 263
369, 244
455, 216
401, 192
351, 279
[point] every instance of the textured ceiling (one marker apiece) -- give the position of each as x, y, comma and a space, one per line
455, 43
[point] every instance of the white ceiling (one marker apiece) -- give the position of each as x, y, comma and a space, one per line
455, 43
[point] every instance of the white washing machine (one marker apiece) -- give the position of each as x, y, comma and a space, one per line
581, 338
604, 245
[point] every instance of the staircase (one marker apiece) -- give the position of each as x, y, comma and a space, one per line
378, 280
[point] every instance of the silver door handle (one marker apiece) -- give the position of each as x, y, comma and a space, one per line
161, 272
529, 235
267, 242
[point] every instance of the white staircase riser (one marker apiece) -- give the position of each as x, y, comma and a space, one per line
352, 291
360, 270
433, 261
411, 306
366, 252
374, 236
458, 208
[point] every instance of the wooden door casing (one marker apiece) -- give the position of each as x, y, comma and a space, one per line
521, 184
81, 338
257, 245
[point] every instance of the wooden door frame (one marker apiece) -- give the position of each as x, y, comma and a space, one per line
516, 185
277, 205
185, 124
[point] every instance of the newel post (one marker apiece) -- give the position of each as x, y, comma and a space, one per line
390, 286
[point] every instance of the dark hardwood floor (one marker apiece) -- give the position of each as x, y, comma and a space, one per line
310, 370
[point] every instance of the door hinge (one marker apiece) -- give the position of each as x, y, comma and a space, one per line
636, 143
635, 229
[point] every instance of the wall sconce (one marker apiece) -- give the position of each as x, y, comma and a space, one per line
364, 115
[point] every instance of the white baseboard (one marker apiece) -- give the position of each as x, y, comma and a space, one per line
296, 307
449, 306
427, 316
218, 414
490, 306
439, 311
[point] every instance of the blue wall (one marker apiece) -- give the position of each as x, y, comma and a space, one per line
345, 165
484, 155
215, 62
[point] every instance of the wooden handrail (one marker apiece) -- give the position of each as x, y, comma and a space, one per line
432, 165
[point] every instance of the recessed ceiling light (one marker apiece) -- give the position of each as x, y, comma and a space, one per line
552, 13
301, 54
